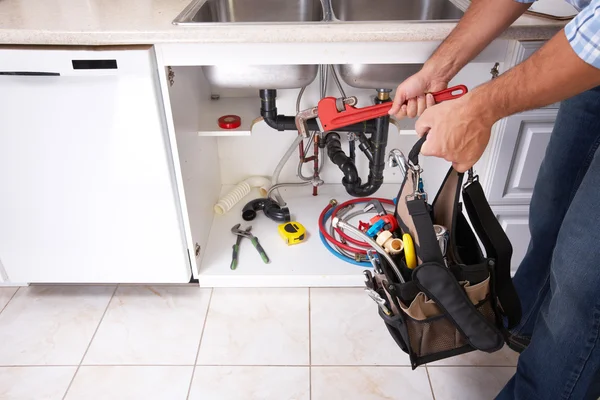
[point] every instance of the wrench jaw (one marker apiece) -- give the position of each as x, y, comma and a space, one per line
302, 117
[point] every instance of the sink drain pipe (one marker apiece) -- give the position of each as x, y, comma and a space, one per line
268, 110
374, 149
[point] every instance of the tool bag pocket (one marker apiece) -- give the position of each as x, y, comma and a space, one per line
430, 329
450, 303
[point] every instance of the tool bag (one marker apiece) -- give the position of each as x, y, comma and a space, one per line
456, 302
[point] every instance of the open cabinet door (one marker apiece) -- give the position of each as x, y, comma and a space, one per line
86, 177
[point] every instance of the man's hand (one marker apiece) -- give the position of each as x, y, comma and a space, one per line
457, 131
412, 92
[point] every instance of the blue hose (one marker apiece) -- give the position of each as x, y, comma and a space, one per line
335, 253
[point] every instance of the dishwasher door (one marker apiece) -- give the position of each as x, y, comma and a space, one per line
87, 189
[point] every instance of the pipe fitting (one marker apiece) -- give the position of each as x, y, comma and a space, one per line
383, 94
270, 207
389, 243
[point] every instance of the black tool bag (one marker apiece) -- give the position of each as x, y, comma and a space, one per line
456, 302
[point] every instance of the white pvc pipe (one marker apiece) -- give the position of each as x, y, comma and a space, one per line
240, 191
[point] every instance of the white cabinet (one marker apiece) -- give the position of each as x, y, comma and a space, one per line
524, 138
86, 178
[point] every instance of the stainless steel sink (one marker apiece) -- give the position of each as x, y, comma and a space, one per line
250, 11
375, 76
387, 76
395, 10
205, 12
260, 76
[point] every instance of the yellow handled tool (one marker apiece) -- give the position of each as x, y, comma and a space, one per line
409, 251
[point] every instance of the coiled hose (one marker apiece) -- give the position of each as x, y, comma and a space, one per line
344, 251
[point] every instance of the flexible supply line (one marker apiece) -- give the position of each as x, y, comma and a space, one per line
336, 222
280, 185
280, 166
333, 232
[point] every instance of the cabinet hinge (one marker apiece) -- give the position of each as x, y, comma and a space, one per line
171, 76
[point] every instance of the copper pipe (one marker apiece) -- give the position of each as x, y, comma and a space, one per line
316, 162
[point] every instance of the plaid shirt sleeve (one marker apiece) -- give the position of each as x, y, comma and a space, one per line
583, 32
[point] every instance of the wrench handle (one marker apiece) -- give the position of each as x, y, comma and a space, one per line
450, 94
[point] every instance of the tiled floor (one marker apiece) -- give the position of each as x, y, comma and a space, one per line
182, 342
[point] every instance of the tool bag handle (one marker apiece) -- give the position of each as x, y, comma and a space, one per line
413, 156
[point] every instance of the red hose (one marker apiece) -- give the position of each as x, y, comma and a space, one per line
339, 207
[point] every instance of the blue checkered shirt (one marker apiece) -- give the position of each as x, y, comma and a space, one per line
583, 32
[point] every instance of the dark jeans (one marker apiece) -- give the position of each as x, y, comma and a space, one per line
559, 279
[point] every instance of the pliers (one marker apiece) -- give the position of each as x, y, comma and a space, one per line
236, 247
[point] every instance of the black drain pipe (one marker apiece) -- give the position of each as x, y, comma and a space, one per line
268, 110
376, 146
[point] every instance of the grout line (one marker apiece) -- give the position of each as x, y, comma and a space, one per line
430, 384
306, 365
91, 340
309, 348
199, 343
243, 365
9, 300
471, 366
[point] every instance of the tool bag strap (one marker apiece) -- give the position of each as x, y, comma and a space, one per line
497, 246
429, 249
441, 286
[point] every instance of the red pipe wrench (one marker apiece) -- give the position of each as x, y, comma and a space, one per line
332, 119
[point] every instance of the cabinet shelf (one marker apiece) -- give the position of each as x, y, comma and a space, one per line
305, 264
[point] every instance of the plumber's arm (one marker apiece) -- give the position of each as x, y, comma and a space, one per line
483, 22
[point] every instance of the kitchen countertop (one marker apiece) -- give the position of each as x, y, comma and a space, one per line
110, 22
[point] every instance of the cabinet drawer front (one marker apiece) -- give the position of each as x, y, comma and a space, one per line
522, 142
515, 222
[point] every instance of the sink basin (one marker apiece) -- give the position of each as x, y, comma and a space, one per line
260, 76
395, 10
376, 76
372, 76
250, 11
201, 12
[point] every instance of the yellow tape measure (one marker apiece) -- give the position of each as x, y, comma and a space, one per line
292, 232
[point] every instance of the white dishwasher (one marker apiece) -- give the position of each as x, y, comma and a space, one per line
87, 190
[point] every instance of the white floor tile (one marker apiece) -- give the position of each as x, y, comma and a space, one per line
51, 325
347, 330
370, 383
250, 383
131, 383
35, 383
256, 327
503, 358
468, 383
5, 295
151, 325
